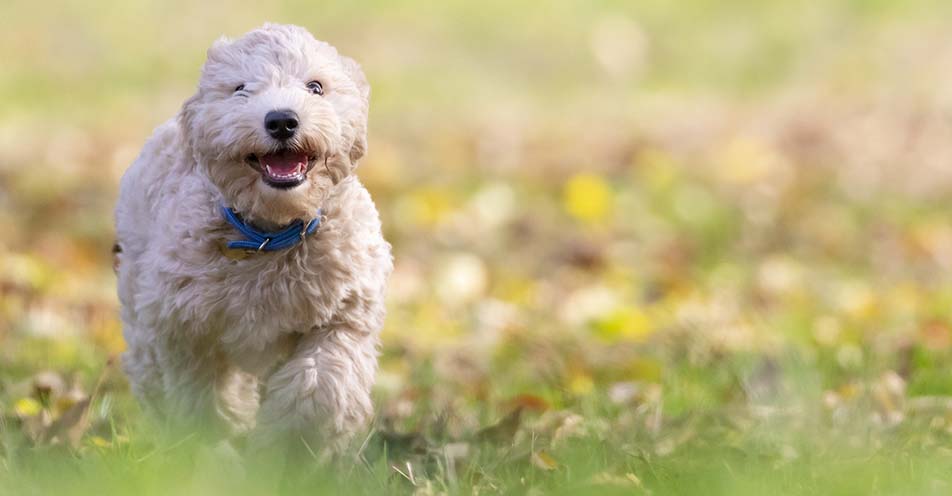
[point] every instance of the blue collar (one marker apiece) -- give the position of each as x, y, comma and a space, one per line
269, 241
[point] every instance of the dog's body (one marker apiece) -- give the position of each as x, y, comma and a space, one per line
211, 337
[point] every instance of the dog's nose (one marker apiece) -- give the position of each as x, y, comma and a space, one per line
281, 124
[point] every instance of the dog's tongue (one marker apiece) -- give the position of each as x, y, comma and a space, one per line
284, 165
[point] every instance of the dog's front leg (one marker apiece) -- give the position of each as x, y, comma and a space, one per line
192, 369
321, 395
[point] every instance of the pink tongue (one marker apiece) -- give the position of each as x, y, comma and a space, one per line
284, 163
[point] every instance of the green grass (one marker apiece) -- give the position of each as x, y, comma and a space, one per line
703, 244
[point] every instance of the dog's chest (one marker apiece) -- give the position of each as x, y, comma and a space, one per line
254, 301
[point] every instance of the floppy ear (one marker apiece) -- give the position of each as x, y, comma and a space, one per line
185, 117
217, 52
353, 71
356, 74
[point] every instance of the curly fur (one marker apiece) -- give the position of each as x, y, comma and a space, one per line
279, 343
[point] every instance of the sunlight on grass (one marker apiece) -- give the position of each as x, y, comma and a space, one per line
648, 247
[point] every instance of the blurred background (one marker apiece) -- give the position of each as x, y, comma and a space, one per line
678, 225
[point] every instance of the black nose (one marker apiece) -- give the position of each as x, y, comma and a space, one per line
281, 124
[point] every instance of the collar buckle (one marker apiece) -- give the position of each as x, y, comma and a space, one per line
258, 241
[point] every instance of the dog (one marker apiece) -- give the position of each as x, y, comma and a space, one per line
251, 264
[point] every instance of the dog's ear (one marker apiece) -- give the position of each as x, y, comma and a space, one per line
218, 51
359, 122
185, 117
356, 74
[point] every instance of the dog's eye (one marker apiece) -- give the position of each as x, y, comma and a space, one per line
315, 87
240, 87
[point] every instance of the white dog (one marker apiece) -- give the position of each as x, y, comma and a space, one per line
252, 267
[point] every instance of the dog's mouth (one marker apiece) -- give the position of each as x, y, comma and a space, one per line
283, 169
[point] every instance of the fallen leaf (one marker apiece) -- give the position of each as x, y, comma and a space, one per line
588, 197
626, 323
581, 384
70, 427
503, 431
544, 461
99, 442
27, 407
529, 402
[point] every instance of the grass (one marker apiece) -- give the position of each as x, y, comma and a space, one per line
700, 246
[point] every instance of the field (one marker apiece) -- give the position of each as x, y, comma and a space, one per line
652, 247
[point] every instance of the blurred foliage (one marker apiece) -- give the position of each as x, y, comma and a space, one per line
651, 246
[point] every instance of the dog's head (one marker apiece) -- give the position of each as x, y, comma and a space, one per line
278, 119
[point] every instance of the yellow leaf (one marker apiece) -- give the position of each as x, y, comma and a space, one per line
99, 442
588, 197
581, 384
626, 323
27, 407
426, 206
543, 460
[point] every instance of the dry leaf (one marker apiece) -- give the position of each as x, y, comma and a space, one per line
503, 431
543, 460
529, 402
100, 442
70, 427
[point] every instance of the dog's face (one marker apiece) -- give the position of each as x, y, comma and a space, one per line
278, 119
